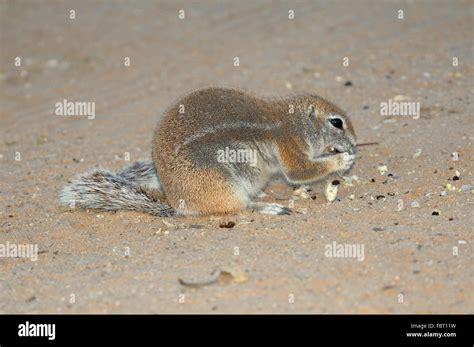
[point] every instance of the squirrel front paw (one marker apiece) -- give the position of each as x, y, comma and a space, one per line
342, 161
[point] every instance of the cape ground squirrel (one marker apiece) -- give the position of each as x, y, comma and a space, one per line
216, 149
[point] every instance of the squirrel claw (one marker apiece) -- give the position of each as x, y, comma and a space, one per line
285, 211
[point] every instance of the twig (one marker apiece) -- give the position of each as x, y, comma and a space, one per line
367, 144
214, 278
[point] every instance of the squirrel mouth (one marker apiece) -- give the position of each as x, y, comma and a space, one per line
331, 150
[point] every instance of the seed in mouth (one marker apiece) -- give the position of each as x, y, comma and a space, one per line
333, 150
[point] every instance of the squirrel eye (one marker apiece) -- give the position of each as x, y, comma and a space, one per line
336, 122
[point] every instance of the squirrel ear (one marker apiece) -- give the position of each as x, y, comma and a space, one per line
312, 113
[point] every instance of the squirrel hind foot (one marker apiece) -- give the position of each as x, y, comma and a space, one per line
269, 208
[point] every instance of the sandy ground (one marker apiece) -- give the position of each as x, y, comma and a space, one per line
92, 261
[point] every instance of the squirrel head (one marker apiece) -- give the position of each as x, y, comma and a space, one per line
333, 126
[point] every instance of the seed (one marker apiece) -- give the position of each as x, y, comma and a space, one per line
330, 192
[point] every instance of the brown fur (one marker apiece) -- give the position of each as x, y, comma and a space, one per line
184, 145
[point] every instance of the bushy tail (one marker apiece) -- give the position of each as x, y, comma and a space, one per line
133, 188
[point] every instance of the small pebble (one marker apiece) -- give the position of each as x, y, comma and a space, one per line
348, 84
228, 224
301, 192
415, 204
449, 186
435, 213
349, 180
382, 169
168, 224
401, 98
417, 153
